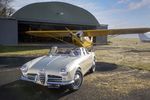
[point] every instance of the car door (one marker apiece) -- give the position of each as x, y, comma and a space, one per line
86, 61
89, 59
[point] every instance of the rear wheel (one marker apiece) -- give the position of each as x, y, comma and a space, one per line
78, 79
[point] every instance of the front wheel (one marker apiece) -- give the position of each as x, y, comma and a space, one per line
78, 79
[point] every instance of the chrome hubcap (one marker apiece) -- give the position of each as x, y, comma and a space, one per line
78, 80
77, 77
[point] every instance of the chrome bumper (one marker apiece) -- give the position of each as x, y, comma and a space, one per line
26, 79
61, 83
47, 83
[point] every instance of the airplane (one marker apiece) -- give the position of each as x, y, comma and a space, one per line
145, 37
84, 38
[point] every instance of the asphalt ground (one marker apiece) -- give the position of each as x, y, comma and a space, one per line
109, 82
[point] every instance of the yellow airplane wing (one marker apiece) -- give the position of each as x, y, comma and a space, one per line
87, 33
50, 33
90, 33
102, 32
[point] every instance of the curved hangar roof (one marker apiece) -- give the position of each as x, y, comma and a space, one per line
55, 12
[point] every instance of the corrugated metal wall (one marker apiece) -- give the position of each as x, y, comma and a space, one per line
8, 32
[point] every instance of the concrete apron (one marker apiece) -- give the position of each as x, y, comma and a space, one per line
9, 75
9, 68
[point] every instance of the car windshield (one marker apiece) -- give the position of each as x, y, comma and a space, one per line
64, 51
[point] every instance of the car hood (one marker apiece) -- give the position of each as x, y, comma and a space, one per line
52, 63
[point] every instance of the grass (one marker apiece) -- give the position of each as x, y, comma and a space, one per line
126, 52
120, 82
22, 51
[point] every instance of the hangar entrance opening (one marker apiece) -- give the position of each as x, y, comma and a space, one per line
24, 38
47, 16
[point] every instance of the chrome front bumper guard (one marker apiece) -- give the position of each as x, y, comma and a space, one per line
48, 83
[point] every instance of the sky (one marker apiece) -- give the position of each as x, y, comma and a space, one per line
115, 13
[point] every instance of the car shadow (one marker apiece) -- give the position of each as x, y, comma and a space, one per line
103, 66
22, 90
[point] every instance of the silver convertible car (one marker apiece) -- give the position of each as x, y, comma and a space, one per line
60, 68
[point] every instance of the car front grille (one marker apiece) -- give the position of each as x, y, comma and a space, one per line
53, 78
42, 78
31, 76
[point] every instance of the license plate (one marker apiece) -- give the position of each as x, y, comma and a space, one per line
53, 86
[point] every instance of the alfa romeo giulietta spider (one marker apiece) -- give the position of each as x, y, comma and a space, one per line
60, 68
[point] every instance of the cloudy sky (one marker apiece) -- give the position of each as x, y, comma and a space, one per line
115, 13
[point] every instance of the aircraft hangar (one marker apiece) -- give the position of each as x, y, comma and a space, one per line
46, 16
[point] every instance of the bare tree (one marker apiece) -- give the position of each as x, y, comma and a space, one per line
5, 9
